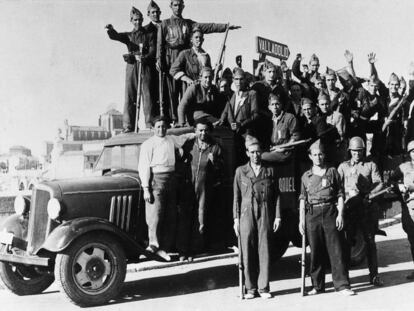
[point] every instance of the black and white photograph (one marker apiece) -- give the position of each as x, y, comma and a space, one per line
206, 155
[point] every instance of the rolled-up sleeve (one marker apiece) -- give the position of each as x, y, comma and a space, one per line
338, 185
303, 193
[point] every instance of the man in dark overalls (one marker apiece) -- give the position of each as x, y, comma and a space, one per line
321, 208
256, 212
138, 36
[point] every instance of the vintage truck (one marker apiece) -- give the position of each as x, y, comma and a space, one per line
83, 232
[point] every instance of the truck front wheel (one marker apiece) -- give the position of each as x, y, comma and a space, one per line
23, 280
92, 270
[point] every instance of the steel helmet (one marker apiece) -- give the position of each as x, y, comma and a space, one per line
410, 146
356, 143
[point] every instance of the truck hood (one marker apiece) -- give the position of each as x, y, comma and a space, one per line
108, 183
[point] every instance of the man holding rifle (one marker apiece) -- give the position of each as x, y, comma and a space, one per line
361, 179
173, 37
256, 214
321, 208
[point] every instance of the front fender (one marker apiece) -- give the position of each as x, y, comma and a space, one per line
62, 236
16, 224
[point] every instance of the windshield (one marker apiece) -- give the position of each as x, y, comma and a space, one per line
118, 157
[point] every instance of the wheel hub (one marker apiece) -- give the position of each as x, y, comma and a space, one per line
95, 269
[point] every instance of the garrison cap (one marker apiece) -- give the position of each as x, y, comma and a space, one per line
394, 77
317, 145
251, 140
152, 5
134, 11
330, 72
313, 58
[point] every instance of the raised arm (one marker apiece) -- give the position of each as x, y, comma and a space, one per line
114, 35
350, 60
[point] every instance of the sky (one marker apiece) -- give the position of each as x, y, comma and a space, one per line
57, 63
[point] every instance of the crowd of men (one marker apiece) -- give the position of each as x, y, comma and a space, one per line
332, 114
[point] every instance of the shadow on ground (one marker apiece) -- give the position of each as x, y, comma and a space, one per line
224, 276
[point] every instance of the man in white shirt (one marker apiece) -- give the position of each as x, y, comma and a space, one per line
156, 170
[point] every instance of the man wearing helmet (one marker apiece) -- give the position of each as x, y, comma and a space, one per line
361, 178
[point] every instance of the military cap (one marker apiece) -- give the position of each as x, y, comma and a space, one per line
238, 72
251, 140
394, 77
313, 58
134, 11
317, 145
330, 72
152, 5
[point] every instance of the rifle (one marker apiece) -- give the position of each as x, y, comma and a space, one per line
221, 56
394, 112
161, 77
240, 265
381, 192
303, 261
291, 144
139, 89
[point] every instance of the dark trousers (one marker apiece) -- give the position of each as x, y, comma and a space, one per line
255, 231
149, 95
323, 238
365, 219
161, 215
407, 219
174, 87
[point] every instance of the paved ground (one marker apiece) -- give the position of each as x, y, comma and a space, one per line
212, 285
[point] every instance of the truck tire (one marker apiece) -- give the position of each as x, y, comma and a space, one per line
279, 248
23, 280
91, 270
358, 250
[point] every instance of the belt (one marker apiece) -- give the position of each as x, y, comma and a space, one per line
323, 204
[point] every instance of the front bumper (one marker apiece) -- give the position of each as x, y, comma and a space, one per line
8, 240
25, 259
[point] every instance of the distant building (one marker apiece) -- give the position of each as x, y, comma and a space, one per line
111, 121
76, 142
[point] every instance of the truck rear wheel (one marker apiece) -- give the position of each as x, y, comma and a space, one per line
23, 280
358, 250
92, 270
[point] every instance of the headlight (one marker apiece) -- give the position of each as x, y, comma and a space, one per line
21, 205
53, 208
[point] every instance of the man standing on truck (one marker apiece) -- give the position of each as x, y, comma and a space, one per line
321, 209
206, 173
139, 36
173, 37
156, 170
360, 179
256, 214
